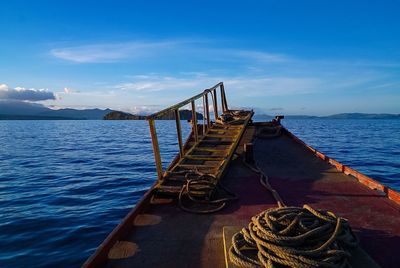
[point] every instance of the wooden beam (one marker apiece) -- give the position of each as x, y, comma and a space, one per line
194, 121
223, 99
179, 132
205, 157
156, 149
215, 104
207, 112
204, 115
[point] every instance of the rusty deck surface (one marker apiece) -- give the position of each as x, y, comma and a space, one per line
168, 237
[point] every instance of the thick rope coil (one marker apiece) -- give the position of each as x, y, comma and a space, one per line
293, 237
202, 189
231, 117
270, 131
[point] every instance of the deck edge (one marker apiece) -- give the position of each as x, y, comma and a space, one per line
360, 177
99, 257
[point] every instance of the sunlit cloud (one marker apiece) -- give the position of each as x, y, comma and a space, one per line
25, 94
68, 90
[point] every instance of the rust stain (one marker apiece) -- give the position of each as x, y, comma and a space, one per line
122, 250
146, 219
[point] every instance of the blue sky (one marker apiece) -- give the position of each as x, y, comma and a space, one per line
289, 57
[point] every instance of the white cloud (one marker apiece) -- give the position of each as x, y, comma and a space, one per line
274, 86
25, 94
261, 56
159, 83
252, 86
68, 90
143, 109
108, 52
180, 48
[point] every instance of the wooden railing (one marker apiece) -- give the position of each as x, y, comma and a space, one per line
175, 110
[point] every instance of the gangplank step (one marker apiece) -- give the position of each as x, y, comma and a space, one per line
217, 141
205, 157
210, 149
220, 136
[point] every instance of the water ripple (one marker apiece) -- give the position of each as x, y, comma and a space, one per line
64, 185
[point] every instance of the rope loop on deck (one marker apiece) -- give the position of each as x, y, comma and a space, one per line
293, 237
272, 130
264, 181
201, 190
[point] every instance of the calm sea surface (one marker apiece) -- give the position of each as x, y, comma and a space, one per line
64, 185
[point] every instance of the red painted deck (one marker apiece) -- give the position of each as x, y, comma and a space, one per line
180, 239
301, 178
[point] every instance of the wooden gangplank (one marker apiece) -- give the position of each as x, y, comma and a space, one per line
210, 154
210, 146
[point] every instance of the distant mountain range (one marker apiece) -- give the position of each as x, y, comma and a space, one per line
334, 116
18, 110
363, 116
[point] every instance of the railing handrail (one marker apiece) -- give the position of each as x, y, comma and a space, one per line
175, 110
182, 103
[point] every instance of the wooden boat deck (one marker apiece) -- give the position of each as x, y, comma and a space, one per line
166, 236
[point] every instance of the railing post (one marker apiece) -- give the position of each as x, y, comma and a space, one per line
194, 121
156, 148
207, 112
204, 115
223, 98
215, 104
179, 132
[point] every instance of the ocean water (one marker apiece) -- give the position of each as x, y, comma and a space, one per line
64, 185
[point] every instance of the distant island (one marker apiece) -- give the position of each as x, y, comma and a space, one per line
116, 115
184, 115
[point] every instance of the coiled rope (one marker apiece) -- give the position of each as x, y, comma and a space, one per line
269, 131
231, 117
292, 237
200, 192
